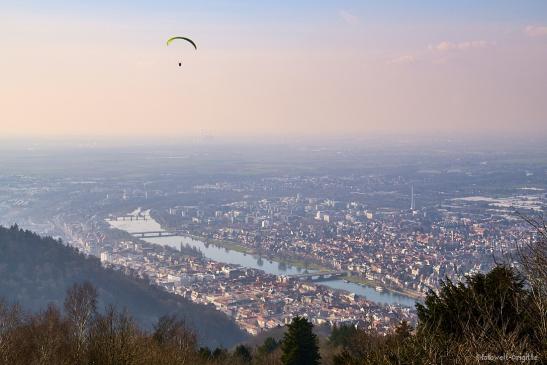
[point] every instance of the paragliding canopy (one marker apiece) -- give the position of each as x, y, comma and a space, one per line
170, 40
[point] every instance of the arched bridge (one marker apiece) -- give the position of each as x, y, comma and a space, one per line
319, 276
151, 234
127, 218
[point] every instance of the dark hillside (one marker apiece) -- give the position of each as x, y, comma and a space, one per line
36, 271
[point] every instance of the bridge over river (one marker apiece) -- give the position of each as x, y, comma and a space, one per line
138, 217
152, 234
320, 276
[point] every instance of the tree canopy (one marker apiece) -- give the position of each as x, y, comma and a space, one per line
300, 345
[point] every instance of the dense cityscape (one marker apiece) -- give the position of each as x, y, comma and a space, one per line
395, 232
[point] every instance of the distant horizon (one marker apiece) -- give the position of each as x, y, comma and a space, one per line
448, 141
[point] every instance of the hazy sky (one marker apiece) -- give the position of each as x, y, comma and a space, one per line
272, 68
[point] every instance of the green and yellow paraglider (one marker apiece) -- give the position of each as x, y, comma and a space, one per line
172, 39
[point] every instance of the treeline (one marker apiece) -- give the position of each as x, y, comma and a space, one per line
487, 316
492, 315
36, 271
78, 333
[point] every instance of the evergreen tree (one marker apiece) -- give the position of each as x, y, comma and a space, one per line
269, 346
490, 312
403, 330
243, 353
300, 344
343, 335
494, 301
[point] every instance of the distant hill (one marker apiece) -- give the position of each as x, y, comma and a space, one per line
36, 271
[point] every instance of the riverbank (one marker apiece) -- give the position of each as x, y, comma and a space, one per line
232, 246
296, 262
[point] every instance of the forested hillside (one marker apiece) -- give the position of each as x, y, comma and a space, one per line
37, 271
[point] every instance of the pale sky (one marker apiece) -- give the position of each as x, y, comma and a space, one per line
102, 68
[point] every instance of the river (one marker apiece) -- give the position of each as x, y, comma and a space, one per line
221, 254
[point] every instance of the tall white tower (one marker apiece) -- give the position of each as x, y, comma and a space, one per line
412, 203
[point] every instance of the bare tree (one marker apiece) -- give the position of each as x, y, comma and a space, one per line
46, 338
531, 255
81, 308
171, 333
10, 320
115, 339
